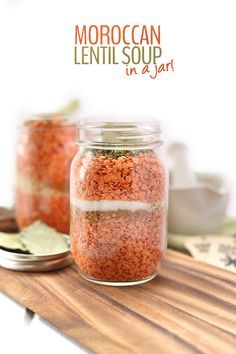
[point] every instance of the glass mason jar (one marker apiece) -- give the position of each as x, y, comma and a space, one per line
118, 202
45, 149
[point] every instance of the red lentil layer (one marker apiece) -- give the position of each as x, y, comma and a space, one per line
53, 210
45, 151
137, 178
117, 246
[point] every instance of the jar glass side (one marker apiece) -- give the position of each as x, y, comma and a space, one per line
118, 212
43, 157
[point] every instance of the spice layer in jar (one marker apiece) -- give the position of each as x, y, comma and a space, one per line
118, 202
45, 149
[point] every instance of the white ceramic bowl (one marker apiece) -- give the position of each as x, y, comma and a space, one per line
201, 208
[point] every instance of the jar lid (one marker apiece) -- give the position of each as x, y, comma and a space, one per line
35, 263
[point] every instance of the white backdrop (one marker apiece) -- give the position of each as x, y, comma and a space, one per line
196, 103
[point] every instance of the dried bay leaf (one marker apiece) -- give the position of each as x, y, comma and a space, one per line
12, 242
41, 239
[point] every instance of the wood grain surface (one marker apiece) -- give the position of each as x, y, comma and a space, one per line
190, 307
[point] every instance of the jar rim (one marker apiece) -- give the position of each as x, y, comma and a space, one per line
116, 120
119, 132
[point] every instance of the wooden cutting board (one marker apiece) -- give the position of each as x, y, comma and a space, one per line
189, 308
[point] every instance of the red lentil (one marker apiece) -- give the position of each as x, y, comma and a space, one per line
118, 245
44, 154
109, 248
138, 179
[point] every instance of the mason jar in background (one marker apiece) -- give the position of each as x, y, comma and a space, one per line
45, 149
118, 202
